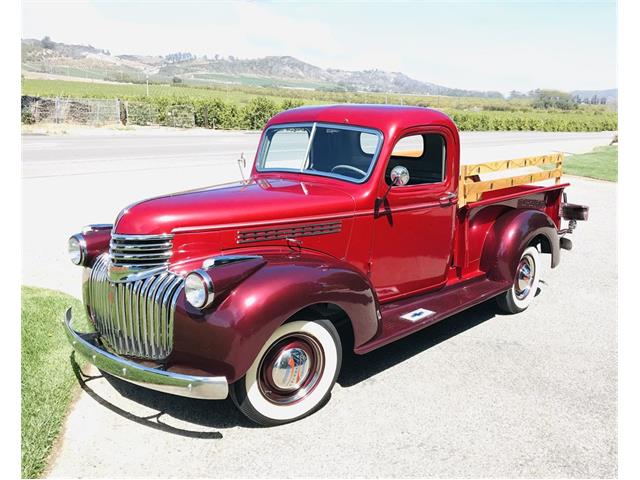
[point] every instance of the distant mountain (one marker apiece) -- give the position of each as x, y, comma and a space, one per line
272, 71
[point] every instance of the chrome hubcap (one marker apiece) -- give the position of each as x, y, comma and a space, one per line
525, 276
290, 369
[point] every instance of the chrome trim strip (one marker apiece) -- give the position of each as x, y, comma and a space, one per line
140, 256
140, 247
124, 236
192, 386
225, 259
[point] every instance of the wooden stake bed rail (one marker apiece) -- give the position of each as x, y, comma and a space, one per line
471, 187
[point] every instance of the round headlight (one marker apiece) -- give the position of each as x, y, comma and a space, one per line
198, 288
77, 249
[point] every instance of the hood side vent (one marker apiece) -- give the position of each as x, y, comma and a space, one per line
289, 231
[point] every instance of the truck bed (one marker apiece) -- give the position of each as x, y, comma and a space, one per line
482, 201
472, 188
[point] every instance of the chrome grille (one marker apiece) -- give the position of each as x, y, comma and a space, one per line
135, 256
148, 250
135, 318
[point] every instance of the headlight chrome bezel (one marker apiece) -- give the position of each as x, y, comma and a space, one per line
206, 283
82, 249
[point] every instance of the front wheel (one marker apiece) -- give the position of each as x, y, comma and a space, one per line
525, 283
293, 374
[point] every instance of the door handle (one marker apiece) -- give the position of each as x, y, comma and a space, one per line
448, 198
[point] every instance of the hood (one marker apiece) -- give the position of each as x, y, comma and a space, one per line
260, 202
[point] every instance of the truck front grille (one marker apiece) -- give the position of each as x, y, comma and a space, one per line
136, 256
135, 318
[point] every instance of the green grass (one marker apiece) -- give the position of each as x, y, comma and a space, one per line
601, 163
48, 382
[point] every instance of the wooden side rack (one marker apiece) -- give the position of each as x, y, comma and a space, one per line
471, 187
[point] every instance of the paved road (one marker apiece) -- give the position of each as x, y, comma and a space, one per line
478, 395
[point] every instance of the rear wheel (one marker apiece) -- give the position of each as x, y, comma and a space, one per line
525, 283
293, 374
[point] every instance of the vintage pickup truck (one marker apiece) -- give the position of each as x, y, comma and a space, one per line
357, 227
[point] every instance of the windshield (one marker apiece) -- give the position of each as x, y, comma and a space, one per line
348, 153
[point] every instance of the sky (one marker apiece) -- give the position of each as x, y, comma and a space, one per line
472, 44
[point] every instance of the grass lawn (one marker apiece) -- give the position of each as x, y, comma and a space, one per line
601, 163
48, 382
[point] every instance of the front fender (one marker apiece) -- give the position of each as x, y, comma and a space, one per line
510, 235
227, 338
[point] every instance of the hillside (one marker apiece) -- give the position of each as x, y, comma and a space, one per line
80, 61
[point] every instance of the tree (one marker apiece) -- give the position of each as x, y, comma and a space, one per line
545, 99
176, 80
47, 43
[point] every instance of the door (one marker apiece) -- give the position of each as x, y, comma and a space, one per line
413, 226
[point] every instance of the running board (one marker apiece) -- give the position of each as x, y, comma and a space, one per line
407, 316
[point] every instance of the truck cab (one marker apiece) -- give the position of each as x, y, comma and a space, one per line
357, 226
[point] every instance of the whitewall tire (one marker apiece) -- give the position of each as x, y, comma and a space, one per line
525, 283
293, 374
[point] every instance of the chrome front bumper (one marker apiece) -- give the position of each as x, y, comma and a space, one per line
208, 388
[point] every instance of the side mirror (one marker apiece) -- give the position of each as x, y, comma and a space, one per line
399, 176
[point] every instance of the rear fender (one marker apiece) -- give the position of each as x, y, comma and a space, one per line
228, 337
510, 235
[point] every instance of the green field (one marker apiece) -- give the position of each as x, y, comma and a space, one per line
62, 88
240, 94
601, 163
234, 106
48, 382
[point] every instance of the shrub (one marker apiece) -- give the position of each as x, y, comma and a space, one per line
26, 117
258, 112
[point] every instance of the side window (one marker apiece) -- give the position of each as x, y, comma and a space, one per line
423, 155
368, 143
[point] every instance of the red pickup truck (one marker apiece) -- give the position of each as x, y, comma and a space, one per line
358, 226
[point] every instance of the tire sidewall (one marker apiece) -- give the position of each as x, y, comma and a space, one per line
522, 304
247, 395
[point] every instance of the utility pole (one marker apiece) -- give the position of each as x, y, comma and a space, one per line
147, 85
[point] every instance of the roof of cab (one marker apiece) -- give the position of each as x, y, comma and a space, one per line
385, 118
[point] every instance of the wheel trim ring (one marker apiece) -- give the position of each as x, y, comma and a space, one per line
315, 355
525, 277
